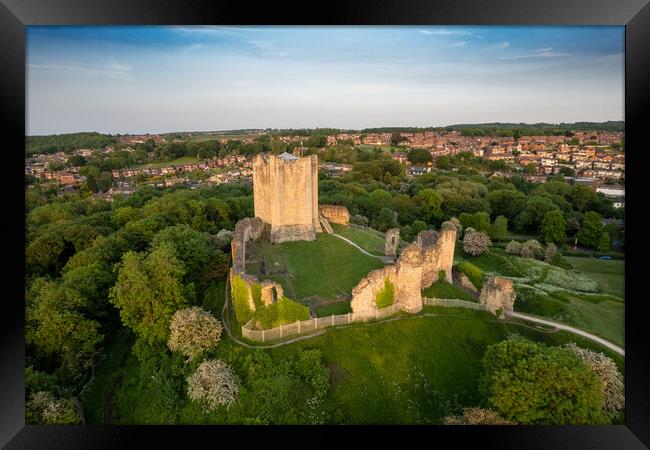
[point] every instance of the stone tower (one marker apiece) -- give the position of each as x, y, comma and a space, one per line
285, 191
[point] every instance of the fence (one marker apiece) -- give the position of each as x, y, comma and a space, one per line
453, 303
317, 323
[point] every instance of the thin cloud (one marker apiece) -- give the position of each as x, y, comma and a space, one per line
540, 53
113, 70
499, 46
458, 44
445, 32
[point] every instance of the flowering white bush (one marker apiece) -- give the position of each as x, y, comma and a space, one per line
475, 243
551, 251
193, 331
570, 280
531, 249
54, 411
513, 248
224, 237
610, 377
477, 416
213, 384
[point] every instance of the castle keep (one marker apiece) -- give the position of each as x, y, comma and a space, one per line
285, 190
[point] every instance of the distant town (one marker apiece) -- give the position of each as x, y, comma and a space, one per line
595, 158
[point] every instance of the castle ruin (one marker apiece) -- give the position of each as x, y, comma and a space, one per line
285, 190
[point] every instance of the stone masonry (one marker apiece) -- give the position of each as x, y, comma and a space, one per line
335, 214
392, 242
416, 268
497, 293
285, 190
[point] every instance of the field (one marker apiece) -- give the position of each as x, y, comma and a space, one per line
416, 370
610, 275
343, 307
327, 267
370, 240
442, 289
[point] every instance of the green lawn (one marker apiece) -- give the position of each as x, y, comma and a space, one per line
610, 275
370, 240
603, 315
334, 308
442, 289
327, 267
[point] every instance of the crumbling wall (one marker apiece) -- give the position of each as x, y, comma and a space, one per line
497, 293
248, 229
417, 267
392, 242
335, 214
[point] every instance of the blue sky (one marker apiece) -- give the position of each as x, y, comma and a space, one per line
158, 79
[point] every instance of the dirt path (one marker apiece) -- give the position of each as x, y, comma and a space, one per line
384, 259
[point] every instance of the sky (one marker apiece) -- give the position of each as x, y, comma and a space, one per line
158, 79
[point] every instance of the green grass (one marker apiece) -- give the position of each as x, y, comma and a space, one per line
442, 289
173, 162
475, 274
495, 261
602, 315
334, 308
416, 370
327, 267
370, 240
610, 275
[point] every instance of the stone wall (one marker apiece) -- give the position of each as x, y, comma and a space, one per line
335, 214
392, 242
497, 293
248, 229
460, 279
417, 267
285, 191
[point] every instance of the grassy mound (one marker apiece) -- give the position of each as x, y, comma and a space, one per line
442, 289
370, 240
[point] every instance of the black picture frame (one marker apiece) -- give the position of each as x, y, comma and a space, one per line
634, 14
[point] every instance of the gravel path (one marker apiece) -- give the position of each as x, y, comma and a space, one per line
384, 259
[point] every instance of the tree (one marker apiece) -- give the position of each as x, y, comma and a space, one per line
56, 326
531, 383
480, 221
396, 138
506, 202
604, 243
50, 410
213, 384
193, 331
553, 227
551, 251
531, 249
591, 229
476, 243
477, 416
513, 248
419, 156
443, 162
610, 378
499, 228
531, 215
581, 196
430, 203
385, 220
149, 290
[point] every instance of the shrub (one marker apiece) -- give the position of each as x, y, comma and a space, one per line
213, 384
531, 383
570, 280
282, 312
240, 299
499, 228
472, 272
224, 237
386, 296
54, 411
193, 331
458, 225
513, 248
551, 251
610, 377
358, 219
476, 243
531, 249
477, 416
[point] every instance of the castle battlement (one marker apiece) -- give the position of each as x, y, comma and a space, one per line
285, 190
